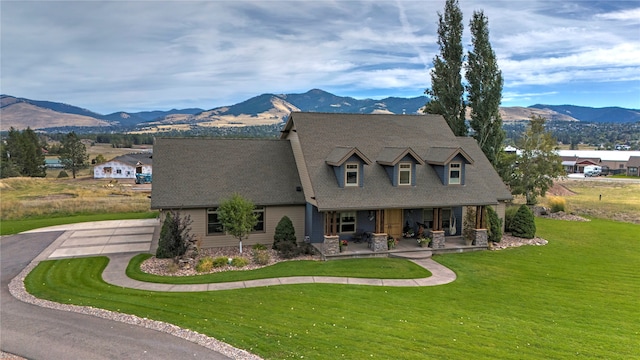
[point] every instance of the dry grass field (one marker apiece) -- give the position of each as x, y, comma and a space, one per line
41, 197
618, 201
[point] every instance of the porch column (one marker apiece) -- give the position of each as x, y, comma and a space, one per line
437, 219
379, 221
379, 242
437, 239
481, 237
480, 221
331, 245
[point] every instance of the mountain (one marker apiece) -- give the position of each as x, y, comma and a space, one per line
588, 114
266, 109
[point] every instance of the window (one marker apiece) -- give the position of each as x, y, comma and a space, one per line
428, 219
454, 173
214, 226
119, 171
259, 211
404, 174
351, 174
347, 222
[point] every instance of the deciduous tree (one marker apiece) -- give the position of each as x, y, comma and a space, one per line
73, 154
484, 90
447, 92
538, 165
237, 217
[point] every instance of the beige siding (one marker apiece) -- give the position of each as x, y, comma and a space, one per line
500, 210
273, 214
302, 167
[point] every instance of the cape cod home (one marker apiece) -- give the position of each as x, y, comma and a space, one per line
124, 166
336, 176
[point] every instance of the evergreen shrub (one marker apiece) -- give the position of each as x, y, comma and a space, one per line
523, 223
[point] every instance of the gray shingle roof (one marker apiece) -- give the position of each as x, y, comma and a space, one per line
321, 133
444, 155
634, 161
390, 156
134, 159
197, 172
341, 154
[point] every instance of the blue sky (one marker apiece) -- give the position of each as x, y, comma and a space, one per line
158, 55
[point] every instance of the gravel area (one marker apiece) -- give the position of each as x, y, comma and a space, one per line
17, 289
508, 241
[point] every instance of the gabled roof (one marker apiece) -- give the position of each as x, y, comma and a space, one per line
444, 155
317, 134
198, 172
634, 161
340, 154
135, 159
390, 156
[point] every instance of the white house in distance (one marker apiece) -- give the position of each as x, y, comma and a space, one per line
574, 161
124, 167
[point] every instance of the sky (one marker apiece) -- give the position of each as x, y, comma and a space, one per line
109, 56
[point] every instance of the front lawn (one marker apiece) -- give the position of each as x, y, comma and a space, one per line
575, 297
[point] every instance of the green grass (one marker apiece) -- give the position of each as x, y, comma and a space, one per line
8, 227
576, 297
386, 268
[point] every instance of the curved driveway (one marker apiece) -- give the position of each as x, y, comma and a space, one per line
34, 332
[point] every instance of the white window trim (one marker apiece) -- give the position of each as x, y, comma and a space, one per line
347, 171
341, 223
459, 170
401, 170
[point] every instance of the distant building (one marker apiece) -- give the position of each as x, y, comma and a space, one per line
53, 164
574, 161
124, 167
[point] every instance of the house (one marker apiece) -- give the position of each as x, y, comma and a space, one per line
633, 166
336, 176
124, 167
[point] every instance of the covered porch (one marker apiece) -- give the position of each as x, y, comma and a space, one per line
386, 232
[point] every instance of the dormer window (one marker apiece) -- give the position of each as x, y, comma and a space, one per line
352, 174
454, 173
404, 174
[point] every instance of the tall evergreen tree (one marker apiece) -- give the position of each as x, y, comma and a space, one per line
447, 92
73, 153
22, 154
484, 90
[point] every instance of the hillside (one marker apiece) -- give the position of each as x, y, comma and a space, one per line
265, 109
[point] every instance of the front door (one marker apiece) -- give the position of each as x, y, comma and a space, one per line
393, 222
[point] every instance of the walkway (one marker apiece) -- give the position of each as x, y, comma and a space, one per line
120, 240
115, 274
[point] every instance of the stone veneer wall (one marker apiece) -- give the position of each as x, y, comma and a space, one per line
379, 242
331, 245
482, 237
437, 239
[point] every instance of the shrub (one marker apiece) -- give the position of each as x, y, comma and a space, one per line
62, 174
285, 235
174, 235
239, 262
469, 225
259, 247
307, 249
523, 223
220, 261
205, 264
261, 256
288, 250
495, 225
509, 213
557, 204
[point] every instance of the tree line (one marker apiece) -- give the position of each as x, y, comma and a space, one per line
22, 153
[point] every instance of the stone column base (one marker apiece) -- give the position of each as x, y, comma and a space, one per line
437, 239
331, 245
482, 237
379, 242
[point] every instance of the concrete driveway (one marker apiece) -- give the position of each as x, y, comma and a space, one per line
35, 332
100, 238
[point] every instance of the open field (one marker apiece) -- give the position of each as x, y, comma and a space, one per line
620, 201
575, 297
25, 198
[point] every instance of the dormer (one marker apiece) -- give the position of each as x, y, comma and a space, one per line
449, 163
348, 166
400, 165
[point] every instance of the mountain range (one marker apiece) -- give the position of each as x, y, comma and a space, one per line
265, 109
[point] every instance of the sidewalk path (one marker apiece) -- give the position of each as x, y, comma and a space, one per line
115, 274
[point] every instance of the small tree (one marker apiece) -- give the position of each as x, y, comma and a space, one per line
469, 225
495, 225
73, 154
174, 235
284, 239
523, 224
237, 216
